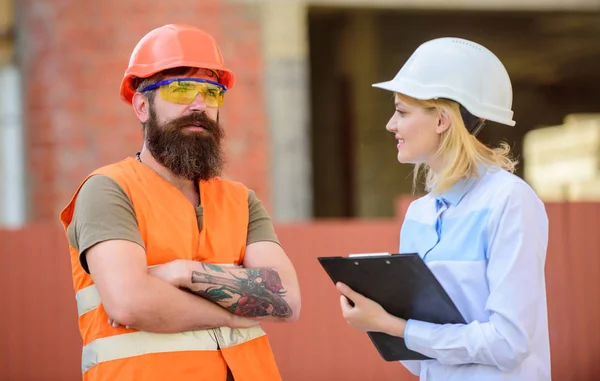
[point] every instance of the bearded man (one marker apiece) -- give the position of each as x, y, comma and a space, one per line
174, 267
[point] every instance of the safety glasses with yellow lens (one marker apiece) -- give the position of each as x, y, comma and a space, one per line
185, 90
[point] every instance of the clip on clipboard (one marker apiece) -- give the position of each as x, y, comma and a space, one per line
403, 285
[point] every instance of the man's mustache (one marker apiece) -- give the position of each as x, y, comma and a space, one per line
199, 119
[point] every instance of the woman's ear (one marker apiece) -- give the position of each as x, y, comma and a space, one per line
443, 121
141, 107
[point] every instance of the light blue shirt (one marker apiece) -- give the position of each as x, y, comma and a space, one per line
485, 240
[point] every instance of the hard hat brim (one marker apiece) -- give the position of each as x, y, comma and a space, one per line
437, 92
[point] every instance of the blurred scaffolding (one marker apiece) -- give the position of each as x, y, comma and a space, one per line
562, 163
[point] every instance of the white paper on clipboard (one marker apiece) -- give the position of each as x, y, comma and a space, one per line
368, 255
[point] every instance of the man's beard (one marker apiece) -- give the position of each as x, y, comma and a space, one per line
194, 155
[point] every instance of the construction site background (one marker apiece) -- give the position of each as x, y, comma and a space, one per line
306, 132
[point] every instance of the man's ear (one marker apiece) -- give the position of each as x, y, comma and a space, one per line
141, 107
444, 121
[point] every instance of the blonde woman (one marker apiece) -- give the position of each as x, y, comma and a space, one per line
481, 230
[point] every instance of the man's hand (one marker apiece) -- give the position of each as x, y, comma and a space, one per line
115, 324
367, 315
175, 272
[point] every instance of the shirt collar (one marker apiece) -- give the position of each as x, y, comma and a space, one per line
455, 194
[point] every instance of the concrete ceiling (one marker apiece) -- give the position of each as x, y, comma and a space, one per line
538, 48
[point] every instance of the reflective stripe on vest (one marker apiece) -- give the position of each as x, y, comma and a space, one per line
141, 343
88, 299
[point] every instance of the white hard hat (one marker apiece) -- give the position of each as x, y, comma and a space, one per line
460, 70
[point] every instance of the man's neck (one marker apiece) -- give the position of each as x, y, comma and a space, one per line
185, 186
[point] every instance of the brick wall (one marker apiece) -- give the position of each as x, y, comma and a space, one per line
73, 55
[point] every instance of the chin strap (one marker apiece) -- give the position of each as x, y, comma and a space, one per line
473, 123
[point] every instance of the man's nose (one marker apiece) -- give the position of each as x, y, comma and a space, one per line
198, 104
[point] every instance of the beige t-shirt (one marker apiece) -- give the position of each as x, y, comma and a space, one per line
103, 211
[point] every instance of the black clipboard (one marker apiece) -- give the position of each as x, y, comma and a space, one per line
403, 285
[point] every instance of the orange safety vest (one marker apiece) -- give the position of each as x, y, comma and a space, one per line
168, 226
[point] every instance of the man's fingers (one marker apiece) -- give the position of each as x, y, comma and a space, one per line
113, 323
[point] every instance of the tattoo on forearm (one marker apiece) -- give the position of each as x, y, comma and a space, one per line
259, 294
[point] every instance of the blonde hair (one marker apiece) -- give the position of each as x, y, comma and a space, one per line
459, 149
